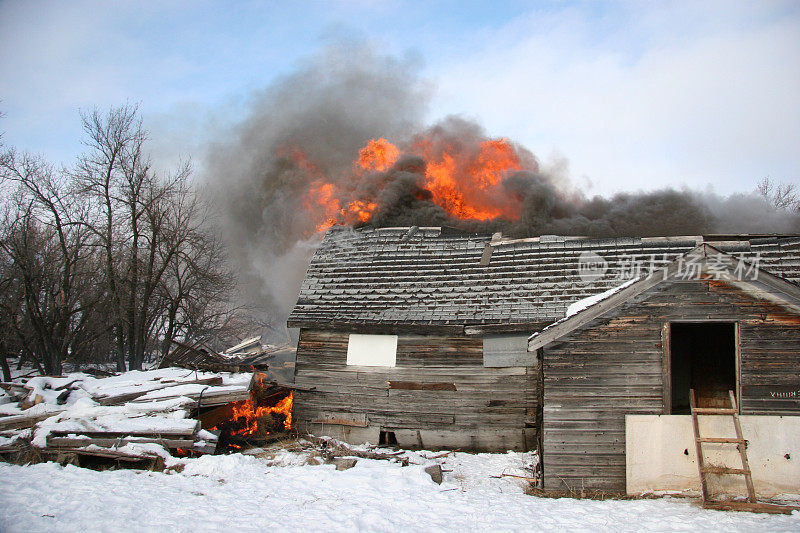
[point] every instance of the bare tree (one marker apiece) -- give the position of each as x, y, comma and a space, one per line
160, 260
107, 259
197, 287
131, 208
780, 195
7, 311
47, 243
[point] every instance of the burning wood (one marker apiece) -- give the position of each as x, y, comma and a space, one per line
254, 418
258, 419
144, 414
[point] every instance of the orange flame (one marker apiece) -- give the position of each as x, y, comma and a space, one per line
362, 210
247, 413
378, 154
464, 184
465, 181
495, 159
321, 199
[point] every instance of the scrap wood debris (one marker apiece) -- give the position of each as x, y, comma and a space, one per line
134, 416
468, 470
247, 355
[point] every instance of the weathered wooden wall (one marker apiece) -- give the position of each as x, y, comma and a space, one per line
615, 365
441, 395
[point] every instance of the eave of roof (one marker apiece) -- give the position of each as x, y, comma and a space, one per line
783, 292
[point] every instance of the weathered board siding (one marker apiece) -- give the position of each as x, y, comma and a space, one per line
615, 365
488, 409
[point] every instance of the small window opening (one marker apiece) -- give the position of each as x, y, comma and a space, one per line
703, 358
387, 438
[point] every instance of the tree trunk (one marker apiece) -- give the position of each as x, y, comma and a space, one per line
120, 350
4, 360
167, 341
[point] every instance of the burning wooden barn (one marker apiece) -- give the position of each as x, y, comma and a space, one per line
434, 338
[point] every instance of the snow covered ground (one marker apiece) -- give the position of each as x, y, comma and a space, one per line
246, 493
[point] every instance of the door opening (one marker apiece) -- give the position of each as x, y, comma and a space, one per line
703, 358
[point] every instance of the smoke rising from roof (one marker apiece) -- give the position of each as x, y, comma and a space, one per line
290, 165
324, 112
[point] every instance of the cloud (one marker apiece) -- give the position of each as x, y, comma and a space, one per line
643, 95
633, 94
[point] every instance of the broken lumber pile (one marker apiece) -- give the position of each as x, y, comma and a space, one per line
134, 416
247, 355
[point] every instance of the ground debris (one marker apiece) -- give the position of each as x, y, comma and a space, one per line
134, 418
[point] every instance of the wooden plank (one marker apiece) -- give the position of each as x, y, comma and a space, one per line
25, 420
750, 507
751, 492
111, 453
79, 441
173, 432
701, 466
714, 411
342, 419
722, 440
412, 385
122, 398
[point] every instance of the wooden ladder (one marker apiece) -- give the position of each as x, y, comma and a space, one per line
751, 505
738, 440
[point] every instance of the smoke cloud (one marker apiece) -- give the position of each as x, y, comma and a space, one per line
290, 166
326, 110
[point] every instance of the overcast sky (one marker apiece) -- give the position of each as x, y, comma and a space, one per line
633, 95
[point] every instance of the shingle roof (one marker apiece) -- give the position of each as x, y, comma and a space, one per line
705, 259
436, 277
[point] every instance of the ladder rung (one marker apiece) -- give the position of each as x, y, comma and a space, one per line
722, 440
713, 411
724, 470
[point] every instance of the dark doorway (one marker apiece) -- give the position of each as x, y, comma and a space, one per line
703, 358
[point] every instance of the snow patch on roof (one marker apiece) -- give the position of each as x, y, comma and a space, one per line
585, 303
589, 301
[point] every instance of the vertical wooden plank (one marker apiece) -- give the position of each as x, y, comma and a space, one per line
667, 366
748, 476
698, 447
738, 371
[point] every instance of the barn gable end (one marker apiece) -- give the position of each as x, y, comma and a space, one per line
618, 364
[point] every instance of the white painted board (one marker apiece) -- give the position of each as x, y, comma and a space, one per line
372, 350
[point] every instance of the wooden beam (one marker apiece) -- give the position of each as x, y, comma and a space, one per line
749, 507
412, 385
342, 419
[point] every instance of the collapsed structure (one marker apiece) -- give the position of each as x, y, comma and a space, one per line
435, 338
196, 402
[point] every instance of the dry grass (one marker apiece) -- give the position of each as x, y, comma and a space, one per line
580, 494
25, 454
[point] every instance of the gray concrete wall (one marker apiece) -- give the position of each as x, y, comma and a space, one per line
660, 454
